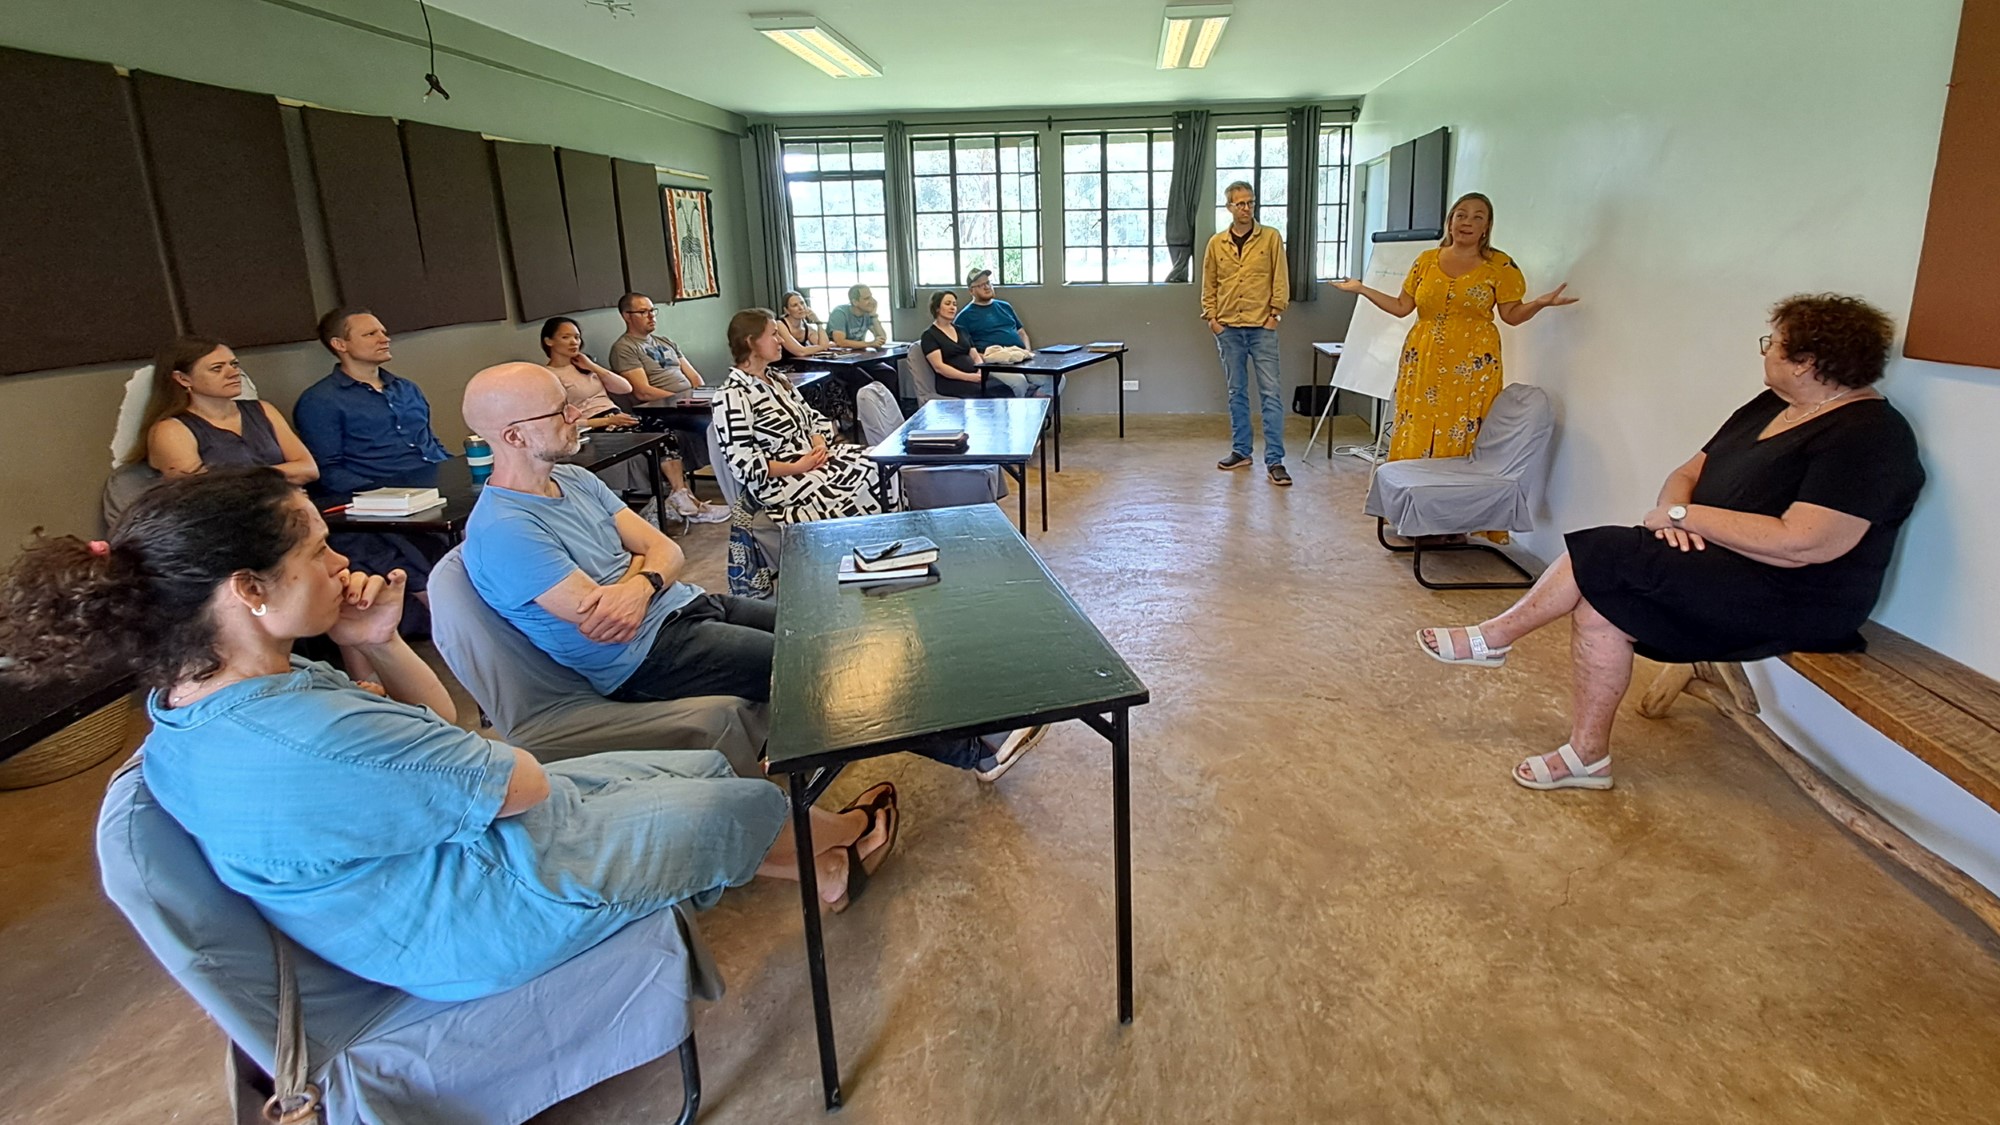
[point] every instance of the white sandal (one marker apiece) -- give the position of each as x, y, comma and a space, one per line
1596, 775
1475, 652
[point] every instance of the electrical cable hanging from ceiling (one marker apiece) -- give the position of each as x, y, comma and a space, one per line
430, 77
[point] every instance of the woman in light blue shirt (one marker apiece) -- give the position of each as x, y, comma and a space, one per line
361, 822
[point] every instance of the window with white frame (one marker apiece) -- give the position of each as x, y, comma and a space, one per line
1115, 187
978, 206
1257, 155
840, 226
1336, 165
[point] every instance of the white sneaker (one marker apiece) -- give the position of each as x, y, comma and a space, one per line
685, 503
710, 513
1011, 751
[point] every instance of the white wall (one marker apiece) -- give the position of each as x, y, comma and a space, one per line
1684, 164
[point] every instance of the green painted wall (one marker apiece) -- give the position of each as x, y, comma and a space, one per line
364, 56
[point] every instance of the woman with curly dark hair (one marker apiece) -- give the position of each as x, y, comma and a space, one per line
363, 824
1774, 538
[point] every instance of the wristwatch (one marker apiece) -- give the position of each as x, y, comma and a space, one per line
1677, 513
658, 583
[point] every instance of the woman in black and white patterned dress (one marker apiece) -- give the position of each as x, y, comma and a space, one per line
778, 446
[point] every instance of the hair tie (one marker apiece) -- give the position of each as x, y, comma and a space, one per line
99, 547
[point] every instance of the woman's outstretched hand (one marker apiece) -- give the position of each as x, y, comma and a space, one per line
1348, 285
1554, 298
371, 607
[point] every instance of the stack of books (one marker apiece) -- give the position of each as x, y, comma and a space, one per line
1108, 346
899, 560
393, 501
937, 441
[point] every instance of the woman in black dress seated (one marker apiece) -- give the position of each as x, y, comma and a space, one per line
954, 361
1773, 539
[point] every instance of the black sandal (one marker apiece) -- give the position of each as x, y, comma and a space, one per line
857, 872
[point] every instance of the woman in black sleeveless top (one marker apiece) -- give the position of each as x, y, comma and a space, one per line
195, 423
1774, 538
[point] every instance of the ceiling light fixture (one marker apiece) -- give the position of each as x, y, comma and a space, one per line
1203, 23
809, 38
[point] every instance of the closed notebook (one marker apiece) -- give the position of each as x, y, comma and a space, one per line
896, 554
394, 501
1108, 346
850, 572
937, 441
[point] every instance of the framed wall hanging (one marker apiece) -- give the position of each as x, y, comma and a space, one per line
690, 242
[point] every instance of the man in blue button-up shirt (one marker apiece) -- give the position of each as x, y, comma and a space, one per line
366, 427
369, 429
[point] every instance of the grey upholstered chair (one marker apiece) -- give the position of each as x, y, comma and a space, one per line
925, 486
919, 381
1493, 488
553, 712
380, 1055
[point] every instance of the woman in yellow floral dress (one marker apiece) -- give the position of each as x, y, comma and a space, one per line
1450, 370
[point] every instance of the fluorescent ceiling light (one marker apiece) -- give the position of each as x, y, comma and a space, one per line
1202, 23
810, 39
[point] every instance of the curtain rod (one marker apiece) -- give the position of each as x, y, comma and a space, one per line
1051, 122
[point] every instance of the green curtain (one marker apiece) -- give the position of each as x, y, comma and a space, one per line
1302, 197
1185, 196
769, 156
896, 188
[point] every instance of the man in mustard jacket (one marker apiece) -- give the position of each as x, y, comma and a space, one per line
1244, 288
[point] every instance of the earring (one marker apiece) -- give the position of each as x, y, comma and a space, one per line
259, 610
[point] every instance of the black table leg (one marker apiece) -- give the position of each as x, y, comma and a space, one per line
829, 1061
1020, 475
1045, 477
1121, 828
1058, 394
659, 496
1121, 395
882, 490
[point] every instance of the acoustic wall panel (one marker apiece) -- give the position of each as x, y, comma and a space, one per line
1402, 178
1951, 313
371, 228
1428, 180
592, 211
224, 187
83, 281
458, 224
641, 230
537, 231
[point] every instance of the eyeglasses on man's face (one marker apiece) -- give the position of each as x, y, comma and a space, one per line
568, 413
649, 310
1763, 345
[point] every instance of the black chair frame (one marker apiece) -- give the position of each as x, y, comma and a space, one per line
1418, 547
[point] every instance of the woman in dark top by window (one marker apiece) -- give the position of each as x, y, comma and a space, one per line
954, 361
1774, 538
194, 421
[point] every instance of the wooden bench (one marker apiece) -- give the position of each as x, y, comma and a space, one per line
1943, 712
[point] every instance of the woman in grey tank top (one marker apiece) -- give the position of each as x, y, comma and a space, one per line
194, 422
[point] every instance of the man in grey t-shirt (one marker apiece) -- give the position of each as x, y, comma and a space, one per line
651, 363
657, 370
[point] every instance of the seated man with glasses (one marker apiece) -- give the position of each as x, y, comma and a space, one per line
558, 555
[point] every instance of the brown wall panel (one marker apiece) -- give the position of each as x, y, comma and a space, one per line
1951, 313
83, 282
451, 185
224, 186
592, 211
537, 231
371, 228
642, 231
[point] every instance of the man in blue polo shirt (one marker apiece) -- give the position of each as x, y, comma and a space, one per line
990, 323
370, 429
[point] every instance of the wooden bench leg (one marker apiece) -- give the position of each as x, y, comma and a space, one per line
1666, 687
1839, 804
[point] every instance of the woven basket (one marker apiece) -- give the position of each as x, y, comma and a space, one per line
71, 750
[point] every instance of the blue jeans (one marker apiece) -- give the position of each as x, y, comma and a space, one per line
1244, 349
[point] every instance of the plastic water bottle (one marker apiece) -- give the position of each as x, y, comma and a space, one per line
478, 458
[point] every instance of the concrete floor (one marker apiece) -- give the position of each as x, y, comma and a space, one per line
1345, 911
